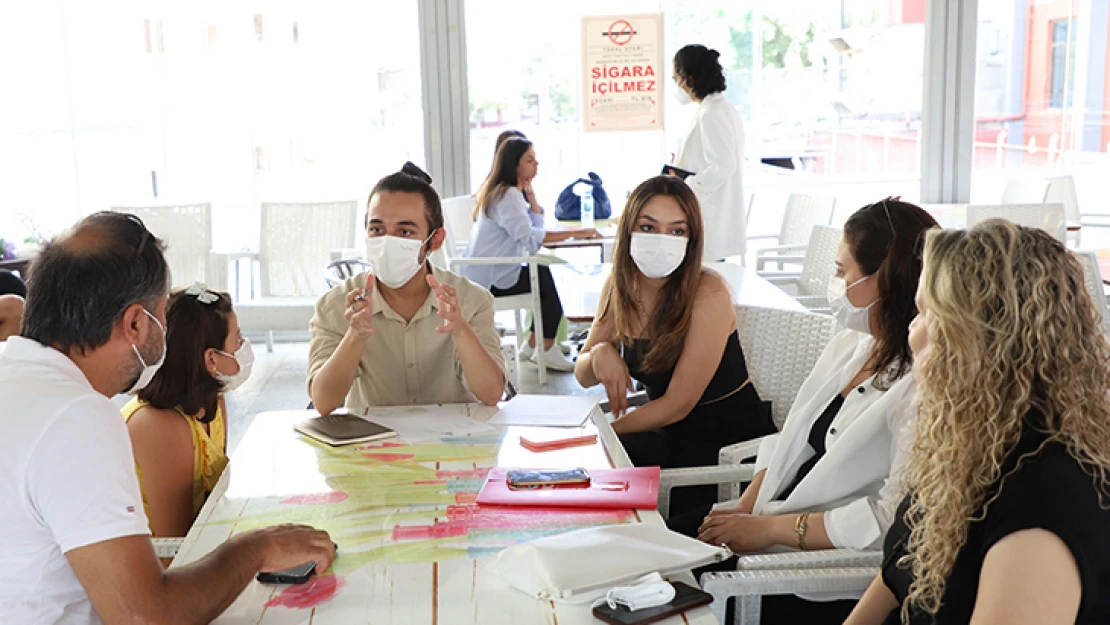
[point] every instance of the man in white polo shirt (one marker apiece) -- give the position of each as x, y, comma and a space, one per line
74, 543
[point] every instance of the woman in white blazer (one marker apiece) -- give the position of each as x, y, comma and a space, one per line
713, 150
827, 480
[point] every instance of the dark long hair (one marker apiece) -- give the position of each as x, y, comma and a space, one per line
192, 327
669, 323
886, 239
503, 176
701, 68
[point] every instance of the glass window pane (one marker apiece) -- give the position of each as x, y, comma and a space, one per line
1041, 100
833, 105
231, 102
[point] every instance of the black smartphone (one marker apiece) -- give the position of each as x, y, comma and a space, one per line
685, 598
296, 575
671, 170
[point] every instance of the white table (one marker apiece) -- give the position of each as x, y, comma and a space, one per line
580, 287
380, 580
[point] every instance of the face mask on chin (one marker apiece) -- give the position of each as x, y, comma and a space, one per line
148, 371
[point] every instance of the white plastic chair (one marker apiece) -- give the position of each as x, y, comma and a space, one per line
451, 257
187, 232
818, 265
780, 348
296, 240
801, 214
1048, 217
1092, 276
458, 219
1025, 191
1062, 189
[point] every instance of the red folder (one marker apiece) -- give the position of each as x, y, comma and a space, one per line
609, 488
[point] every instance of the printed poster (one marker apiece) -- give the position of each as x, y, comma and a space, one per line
622, 60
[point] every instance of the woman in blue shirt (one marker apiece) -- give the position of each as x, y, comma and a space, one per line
510, 223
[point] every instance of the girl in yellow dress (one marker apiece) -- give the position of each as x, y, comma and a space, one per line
178, 422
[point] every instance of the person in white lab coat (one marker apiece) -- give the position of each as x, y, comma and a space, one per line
830, 478
713, 150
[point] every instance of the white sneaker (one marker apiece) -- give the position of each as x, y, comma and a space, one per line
526, 351
554, 359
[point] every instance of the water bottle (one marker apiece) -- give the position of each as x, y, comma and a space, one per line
588, 209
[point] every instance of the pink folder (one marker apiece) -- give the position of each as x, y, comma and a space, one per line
609, 488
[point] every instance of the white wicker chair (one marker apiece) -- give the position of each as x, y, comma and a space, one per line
780, 349
803, 212
296, 241
1093, 278
187, 232
167, 547
451, 256
853, 573
810, 285
1048, 217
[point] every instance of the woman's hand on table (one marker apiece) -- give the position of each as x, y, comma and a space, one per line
586, 233
610, 369
746, 533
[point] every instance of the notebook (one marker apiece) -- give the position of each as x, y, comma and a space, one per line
609, 488
343, 429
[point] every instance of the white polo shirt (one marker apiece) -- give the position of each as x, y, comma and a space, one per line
67, 480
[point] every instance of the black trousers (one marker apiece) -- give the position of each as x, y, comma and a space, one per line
11, 284
774, 609
550, 305
662, 448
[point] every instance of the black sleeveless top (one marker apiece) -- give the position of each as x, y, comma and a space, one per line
1050, 491
723, 415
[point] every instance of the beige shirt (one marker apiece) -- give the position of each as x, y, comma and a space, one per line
405, 362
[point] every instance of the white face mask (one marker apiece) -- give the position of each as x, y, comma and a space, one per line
658, 255
148, 370
244, 357
849, 316
394, 260
682, 96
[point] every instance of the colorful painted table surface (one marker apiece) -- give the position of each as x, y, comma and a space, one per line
412, 544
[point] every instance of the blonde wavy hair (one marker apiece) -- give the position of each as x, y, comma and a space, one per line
1011, 329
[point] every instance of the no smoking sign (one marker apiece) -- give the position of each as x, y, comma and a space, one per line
620, 32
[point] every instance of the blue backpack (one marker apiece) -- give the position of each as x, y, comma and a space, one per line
569, 205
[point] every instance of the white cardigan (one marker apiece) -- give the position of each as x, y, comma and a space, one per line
857, 483
714, 150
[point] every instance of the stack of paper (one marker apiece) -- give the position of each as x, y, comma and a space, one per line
546, 410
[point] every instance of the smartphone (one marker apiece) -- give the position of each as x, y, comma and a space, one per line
685, 598
296, 575
539, 479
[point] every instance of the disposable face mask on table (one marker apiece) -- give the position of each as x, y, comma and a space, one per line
649, 591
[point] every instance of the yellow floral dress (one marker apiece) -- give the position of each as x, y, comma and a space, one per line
209, 459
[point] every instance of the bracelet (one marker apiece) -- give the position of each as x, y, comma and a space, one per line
800, 530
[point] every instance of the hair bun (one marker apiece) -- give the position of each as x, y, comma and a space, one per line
412, 170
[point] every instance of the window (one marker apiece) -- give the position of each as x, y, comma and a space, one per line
1041, 102
1062, 71
832, 106
317, 109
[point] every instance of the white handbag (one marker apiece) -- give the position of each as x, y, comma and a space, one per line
580, 566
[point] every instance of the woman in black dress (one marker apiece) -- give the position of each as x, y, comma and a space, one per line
669, 323
1006, 518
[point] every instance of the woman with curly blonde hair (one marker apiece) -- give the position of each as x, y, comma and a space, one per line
1006, 518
